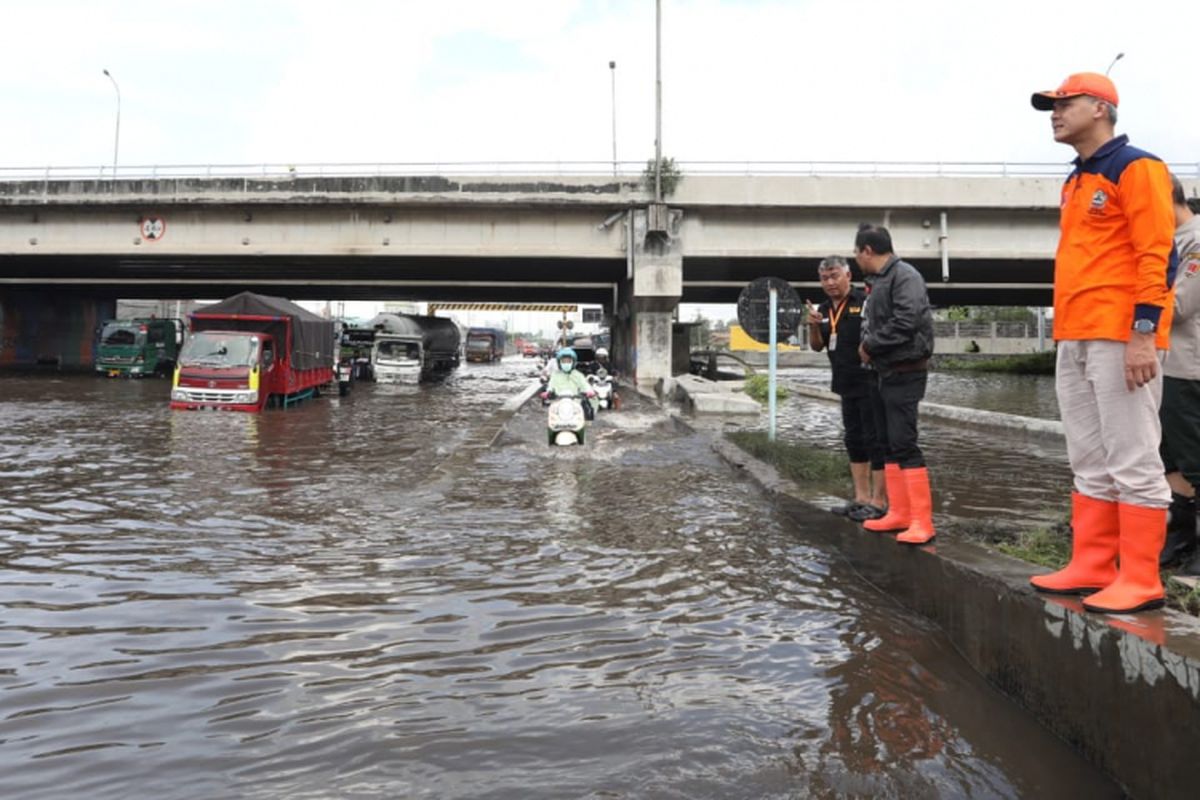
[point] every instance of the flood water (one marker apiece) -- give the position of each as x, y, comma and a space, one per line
339, 601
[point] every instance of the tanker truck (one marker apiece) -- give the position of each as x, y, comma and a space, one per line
250, 351
408, 348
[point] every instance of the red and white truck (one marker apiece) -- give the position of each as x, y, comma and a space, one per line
252, 351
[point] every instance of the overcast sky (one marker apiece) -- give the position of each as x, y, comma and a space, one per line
300, 81
291, 81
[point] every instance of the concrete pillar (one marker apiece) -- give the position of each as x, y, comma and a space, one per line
50, 328
657, 287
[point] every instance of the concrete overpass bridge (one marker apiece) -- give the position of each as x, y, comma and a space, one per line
981, 234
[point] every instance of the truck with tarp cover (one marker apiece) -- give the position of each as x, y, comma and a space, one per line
407, 348
251, 351
485, 344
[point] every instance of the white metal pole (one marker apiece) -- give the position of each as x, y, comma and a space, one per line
774, 306
117, 135
612, 68
658, 101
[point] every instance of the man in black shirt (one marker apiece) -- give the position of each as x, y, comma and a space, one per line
834, 326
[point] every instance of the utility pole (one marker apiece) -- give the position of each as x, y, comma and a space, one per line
117, 135
658, 101
612, 68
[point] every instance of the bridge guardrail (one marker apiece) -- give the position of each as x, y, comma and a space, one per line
624, 170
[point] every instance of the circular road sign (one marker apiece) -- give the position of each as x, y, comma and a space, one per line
754, 309
152, 227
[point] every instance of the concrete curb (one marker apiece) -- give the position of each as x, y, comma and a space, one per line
1124, 690
974, 417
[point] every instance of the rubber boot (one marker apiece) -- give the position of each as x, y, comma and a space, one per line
1095, 537
1138, 586
897, 517
1181, 529
920, 504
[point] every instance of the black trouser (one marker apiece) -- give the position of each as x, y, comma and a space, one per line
896, 416
1180, 415
858, 424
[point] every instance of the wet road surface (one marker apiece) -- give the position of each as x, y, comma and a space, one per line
338, 601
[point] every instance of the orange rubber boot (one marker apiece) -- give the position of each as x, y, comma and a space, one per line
897, 517
1138, 586
1095, 533
920, 504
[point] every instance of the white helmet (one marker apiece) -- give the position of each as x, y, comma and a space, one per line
601, 352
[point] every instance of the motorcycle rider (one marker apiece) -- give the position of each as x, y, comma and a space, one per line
566, 381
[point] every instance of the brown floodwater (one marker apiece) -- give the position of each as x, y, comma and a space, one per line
351, 599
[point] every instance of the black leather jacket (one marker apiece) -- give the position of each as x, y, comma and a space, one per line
897, 322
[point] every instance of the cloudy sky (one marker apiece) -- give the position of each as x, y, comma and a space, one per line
293, 81
306, 81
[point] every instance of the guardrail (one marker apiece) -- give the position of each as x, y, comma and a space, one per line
623, 170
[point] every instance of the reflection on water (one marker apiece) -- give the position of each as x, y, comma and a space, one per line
333, 601
985, 476
1026, 395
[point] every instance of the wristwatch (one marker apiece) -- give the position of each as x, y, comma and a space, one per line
1144, 326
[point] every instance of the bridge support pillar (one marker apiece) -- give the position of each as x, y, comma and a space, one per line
657, 287
50, 328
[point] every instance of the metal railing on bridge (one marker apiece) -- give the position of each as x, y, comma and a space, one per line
625, 170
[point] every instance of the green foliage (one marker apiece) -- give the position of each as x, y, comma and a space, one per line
1046, 547
795, 461
671, 176
1182, 596
1026, 364
757, 386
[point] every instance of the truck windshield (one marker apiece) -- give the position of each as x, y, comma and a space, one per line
479, 344
115, 334
398, 351
220, 350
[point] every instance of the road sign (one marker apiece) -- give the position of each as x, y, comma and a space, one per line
152, 228
754, 309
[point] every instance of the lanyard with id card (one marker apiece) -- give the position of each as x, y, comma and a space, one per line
834, 316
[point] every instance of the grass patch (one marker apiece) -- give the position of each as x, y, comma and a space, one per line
757, 386
796, 461
1046, 547
1026, 364
1185, 598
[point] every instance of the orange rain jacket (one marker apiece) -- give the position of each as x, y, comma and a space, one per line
1116, 256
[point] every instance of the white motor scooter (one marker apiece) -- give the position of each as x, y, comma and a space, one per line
601, 383
565, 423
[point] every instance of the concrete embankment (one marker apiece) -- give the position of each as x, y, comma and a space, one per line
1124, 690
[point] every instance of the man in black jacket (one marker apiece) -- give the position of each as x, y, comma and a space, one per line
835, 327
897, 340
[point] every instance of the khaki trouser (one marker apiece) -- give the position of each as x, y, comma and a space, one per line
1112, 433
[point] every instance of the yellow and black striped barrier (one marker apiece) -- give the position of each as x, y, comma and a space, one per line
551, 308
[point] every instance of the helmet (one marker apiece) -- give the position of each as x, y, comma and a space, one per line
566, 352
601, 352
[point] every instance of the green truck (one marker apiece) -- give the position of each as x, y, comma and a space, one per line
134, 348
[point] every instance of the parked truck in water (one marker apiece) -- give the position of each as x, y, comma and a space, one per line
485, 344
135, 348
252, 351
408, 348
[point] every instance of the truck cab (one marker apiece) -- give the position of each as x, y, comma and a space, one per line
138, 347
396, 360
232, 370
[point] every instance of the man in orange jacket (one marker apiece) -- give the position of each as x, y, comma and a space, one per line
1113, 277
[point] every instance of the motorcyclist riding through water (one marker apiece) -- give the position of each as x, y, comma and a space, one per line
566, 381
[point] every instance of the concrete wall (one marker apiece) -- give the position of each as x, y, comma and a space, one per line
50, 329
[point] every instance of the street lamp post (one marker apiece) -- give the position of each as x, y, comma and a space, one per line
612, 68
117, 135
